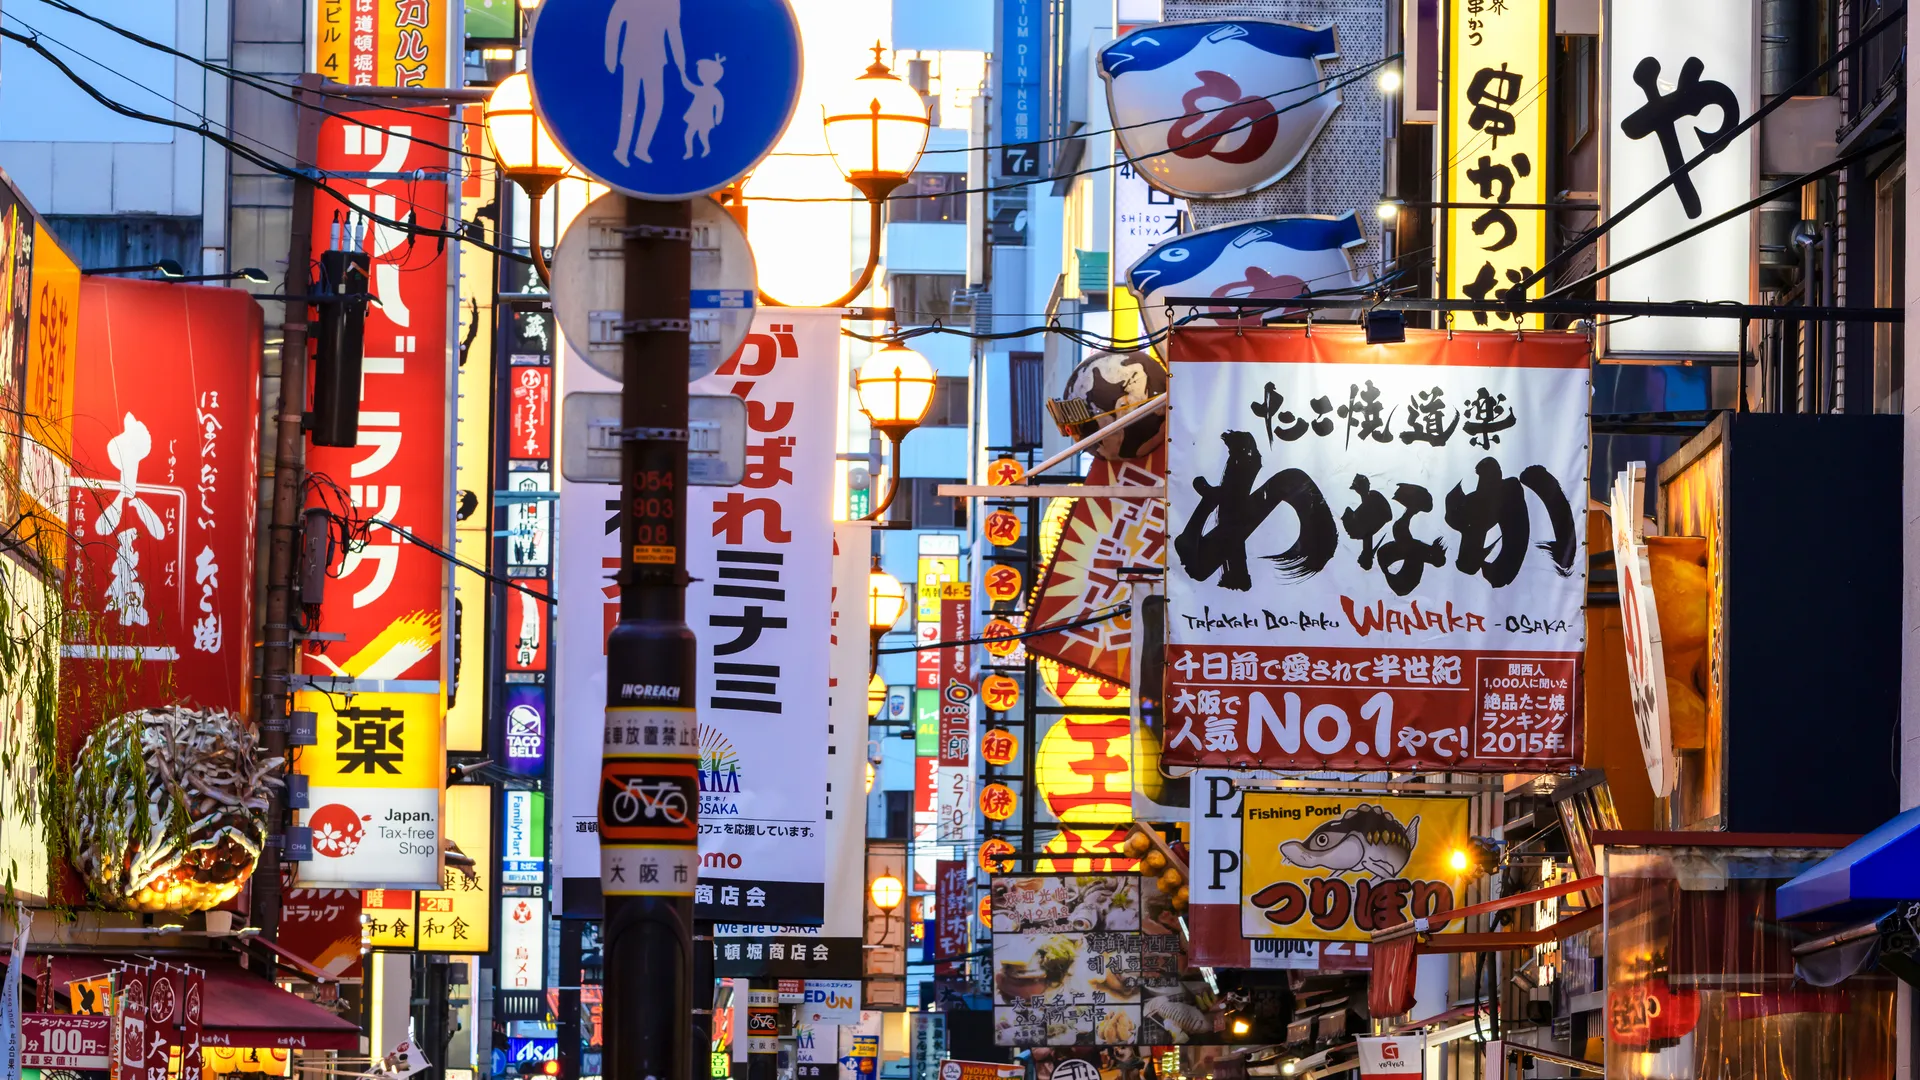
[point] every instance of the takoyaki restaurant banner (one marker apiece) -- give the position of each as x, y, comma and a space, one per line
1092, 960
1377, 554
1327, 868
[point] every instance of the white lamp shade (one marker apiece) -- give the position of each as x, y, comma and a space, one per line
886, 600
895, 386
877, 127
516, 136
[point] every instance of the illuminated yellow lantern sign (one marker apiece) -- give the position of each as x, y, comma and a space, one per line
1002, 583
1496, 146
1004, 631
999, 746
998, 802
1005, 471
1001, 528
999, 693
993, 856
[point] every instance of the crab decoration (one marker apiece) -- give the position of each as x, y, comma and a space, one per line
177, 826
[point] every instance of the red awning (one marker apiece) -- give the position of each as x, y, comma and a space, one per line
241, 1009
1393, 950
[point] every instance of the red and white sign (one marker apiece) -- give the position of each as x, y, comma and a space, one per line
1387, 1057
1376, 550
531, 435
955, 750
60, 1041
390, 598
166, 453
1640, 618
527, 637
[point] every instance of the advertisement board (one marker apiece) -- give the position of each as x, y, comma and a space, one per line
1674, 79
62, 1041
1083, 576
322, 927
523, 942
760, 606
954, 751
953, 915
46, 454
385, 42
523, 853
377, 773
473, 661
1498, 114
1377, 550
458, 916
1337, 868
162, 497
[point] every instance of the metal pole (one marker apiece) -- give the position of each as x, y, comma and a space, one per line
648, 863
289, 457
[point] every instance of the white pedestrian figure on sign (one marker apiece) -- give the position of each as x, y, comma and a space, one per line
708, 106
636, 33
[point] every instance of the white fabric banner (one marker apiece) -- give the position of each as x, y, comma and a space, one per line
761, 558
10, 1009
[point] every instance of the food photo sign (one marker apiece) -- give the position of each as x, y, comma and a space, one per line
1091, 960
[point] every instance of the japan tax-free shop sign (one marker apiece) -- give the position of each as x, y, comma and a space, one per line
1378, 550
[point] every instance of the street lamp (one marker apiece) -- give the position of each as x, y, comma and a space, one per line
526, 152
876, 695
876, 131
886, 602
896, 388
887, 892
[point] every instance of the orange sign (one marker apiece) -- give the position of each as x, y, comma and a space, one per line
1002, 583
1005, 631
997, 802
999, 693
383, 42
1002, 528
999, 746
1005, 471
993, 856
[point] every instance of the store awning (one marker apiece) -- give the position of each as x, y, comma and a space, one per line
241, 1009
1392, 950
1861, 880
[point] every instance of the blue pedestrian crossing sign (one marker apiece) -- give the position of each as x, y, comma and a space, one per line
665, 99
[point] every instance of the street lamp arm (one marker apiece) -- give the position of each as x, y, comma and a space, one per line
866, 275
893, 480
533, 240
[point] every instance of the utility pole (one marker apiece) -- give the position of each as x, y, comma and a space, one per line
649, 860
275, 690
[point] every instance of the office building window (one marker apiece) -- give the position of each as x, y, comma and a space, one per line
930, 197
918, 299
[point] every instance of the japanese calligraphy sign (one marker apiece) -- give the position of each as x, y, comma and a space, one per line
953, 908
1676, 80
384, 42
474, 658
1337, 868
523, 942
374, 790
761, 610
1496, 146
389, 598
1378, 551
958, 703
1211, 109
165, 453
457, 917
1101, 538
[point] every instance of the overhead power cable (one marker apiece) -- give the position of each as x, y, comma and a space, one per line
249, 154
1115, 612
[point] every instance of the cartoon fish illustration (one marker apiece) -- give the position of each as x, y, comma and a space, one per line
1215, 108
1267, 259
1364, 838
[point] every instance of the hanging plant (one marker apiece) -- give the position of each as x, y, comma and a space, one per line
168, 809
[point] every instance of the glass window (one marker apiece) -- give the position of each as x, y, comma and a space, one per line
918, 299
930, 196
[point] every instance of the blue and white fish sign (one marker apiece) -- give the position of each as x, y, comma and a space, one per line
665, 99
1273, 258
1219, 108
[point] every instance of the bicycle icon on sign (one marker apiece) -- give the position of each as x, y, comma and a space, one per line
636, 798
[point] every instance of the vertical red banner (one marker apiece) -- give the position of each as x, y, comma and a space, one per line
390, 597
532, 421
953, 908
956, 684
166, 404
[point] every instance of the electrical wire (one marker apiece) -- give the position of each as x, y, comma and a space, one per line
1116, 611
1340, 82
204, 130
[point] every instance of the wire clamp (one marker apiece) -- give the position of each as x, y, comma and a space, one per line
656, 326
654, 434
656, 232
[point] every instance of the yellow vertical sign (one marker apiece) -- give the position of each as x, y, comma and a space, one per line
458, 918
1496, 146
384, 42
374, 783
46, 456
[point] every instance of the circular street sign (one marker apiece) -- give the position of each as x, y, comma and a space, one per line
665, 99
590, 286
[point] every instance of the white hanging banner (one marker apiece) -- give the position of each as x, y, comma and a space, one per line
761, 558
1389, 1057
10, 1000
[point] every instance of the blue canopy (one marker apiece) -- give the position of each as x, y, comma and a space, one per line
1861, 880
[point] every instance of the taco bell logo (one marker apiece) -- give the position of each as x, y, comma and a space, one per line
1269, 259
1213, 109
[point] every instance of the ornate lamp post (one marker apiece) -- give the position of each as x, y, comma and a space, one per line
527, 154
876, 131
886, 602
896, 388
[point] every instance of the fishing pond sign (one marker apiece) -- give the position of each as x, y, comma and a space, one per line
1337, 868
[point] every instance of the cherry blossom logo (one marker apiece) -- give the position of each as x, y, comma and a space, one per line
337, 831
1251, 119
